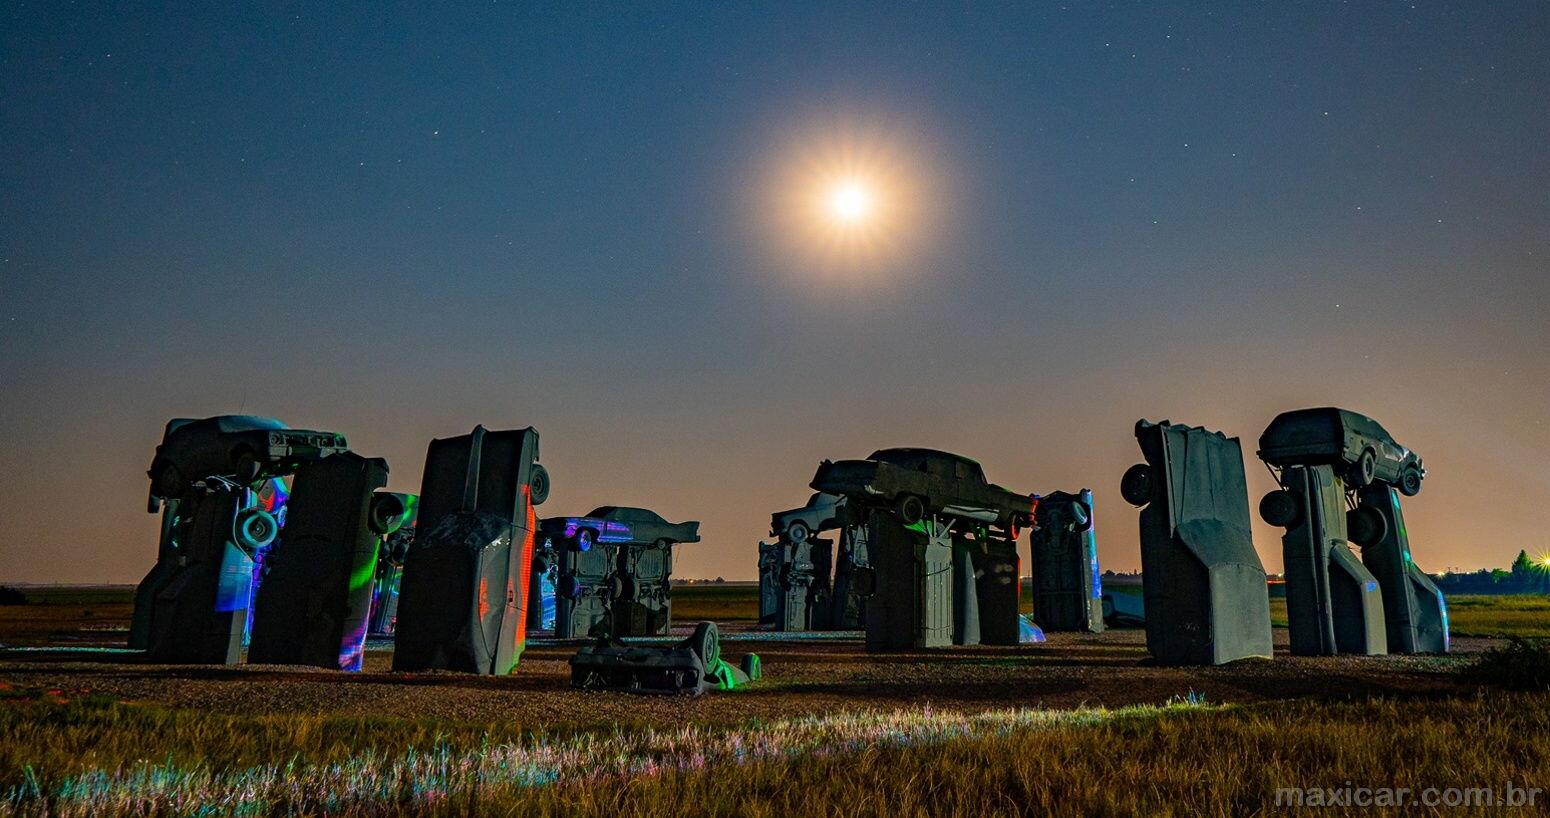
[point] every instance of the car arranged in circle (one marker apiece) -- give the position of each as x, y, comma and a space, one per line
917, 482
823, 511
239, 448
618, 525
1359, 448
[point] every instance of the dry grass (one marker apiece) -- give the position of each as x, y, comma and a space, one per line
917, 733
1179, 759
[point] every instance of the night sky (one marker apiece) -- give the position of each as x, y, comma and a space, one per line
396, 223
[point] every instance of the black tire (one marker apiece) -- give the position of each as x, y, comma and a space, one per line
1410, 480
585, 539
245, 467
386, 513
397, 550
797, 532
1366, 526
168, 480
570, 587
910, 509
1281, 508
619, 587
706, 642
254, 529
1136, 485
538, 485
1364, 470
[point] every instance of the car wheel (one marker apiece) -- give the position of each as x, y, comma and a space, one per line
386, 513
584, 539
1280, 508
1410, 481
245, 466
254, 529
797, 532
538, 485
1081, 516
619, 587
911, 509
398, 551
168, 480
706, 642
1366, 526
570, 587
1364, 470
1136, 485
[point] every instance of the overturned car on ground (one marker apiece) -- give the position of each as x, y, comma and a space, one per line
687, 668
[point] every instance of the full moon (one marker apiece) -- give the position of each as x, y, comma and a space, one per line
850, 202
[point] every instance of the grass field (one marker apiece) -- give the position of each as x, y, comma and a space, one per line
1082, 724
103, 758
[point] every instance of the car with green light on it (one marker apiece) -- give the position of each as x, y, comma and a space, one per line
618, 525
241, 449
1358, 447
917, 482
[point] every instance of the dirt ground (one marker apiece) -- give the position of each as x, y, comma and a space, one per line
802, 677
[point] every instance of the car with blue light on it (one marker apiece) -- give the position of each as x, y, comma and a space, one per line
240, 448
618, 525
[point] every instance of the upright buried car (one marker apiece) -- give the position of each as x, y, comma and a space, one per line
242, 448
915, 482
1360, 449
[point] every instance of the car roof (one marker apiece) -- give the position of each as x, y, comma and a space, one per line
247, 423
1345, 417
626, 513
914, 453
227, 423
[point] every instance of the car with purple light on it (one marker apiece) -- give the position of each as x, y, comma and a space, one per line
618, 525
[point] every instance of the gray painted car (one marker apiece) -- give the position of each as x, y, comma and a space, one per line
917, 482
242, 448
822, 512
1359, 448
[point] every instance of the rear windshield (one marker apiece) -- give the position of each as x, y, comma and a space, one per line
247, 423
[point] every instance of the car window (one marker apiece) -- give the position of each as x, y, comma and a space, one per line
969, 471
247, 423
